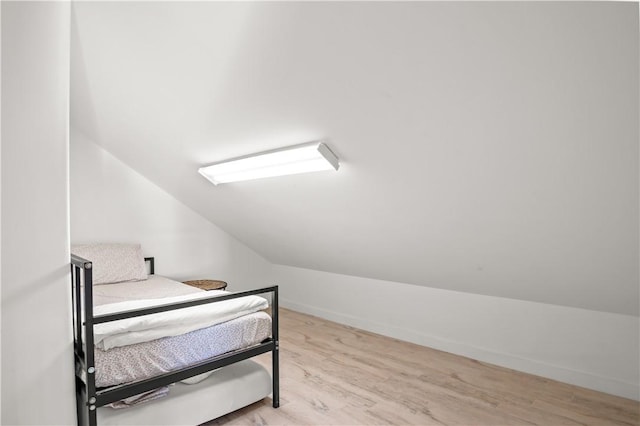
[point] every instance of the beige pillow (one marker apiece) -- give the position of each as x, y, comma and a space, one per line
113, 263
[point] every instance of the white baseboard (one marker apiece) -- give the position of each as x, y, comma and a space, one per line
560, 373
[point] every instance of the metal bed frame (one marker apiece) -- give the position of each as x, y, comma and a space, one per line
88, 398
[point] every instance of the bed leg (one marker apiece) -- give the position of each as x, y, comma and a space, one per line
275, 371
93, 421
85, 415
275, 355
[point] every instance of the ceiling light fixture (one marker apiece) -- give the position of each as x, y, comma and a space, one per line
311, 157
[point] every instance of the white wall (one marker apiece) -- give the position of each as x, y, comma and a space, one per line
592, 349
0, 220
111, 202
37, 356
486, 147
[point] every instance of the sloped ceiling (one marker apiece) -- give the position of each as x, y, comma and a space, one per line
489, 148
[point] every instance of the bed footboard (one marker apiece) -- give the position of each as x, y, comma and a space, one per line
88, 398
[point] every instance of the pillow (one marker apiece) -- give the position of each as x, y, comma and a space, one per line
113, 263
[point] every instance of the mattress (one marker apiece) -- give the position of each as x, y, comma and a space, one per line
155, 287
144, 360
140, 361
227, 389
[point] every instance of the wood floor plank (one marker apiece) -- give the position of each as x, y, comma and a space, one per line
332, 374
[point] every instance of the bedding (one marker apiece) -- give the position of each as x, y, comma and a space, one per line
155, 287
137, 348
171, 323
143, 360
113, 263
141, 398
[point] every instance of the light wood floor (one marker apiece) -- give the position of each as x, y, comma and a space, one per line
333, 374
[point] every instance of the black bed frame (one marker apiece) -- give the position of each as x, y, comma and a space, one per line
88, 398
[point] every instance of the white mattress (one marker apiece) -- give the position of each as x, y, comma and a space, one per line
154, 287
144, 360
227, 389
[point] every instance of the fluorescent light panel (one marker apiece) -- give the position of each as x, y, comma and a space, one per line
305, 158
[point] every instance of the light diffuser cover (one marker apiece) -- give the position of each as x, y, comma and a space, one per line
305, 158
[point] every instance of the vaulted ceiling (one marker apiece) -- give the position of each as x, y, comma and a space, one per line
489, 148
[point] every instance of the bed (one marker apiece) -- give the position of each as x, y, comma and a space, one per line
187, 351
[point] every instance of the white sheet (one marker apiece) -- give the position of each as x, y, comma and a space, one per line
155, 287
172, 323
